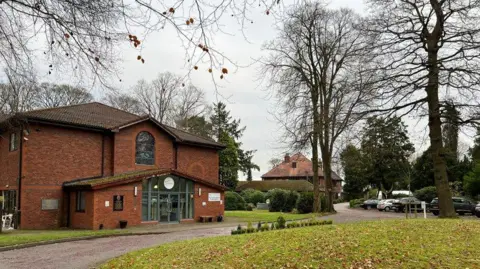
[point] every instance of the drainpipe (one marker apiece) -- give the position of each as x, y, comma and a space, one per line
19, 185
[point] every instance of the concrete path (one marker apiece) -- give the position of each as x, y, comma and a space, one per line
89, 253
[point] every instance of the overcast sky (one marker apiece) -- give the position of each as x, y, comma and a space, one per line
245, 98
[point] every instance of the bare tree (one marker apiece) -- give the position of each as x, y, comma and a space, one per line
53, 95
428, 53
157, 97
124, 102
190, 102
317, 66
83, 37
18, 93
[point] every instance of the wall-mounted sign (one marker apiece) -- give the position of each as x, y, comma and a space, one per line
49, 204
214, 197
107, 203
169, 183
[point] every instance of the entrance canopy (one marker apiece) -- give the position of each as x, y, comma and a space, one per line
125, 178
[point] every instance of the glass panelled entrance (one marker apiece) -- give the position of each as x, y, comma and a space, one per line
167, 199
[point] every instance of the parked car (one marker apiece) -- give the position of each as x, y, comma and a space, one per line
385, 205
401, 204
462, 205
368, 204
477, 210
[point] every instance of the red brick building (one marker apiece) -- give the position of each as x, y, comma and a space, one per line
90, 166
294, 173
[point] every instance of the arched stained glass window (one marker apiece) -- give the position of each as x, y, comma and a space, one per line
145, 149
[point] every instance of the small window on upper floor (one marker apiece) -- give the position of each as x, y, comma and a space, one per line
13, 141
294, 165
145, 149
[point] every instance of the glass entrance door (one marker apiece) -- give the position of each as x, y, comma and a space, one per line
164, 208
173, 208
168, 208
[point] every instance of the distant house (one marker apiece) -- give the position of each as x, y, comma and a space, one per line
294, 173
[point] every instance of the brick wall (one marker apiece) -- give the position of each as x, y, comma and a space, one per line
199, 162
9, 161
211, 208
124, 152
132, 206
82, 220
51, 156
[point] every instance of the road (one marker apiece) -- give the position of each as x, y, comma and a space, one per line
89, 253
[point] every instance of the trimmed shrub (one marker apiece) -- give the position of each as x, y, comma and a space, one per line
339, 200
426, 194
291, 201
233, 201
282, 200
278, 198
253, 196
305, 202
281, 222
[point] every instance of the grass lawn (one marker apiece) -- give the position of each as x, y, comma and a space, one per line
376, 244
262, 215
22, 237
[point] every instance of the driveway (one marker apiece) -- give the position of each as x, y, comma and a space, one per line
89, 253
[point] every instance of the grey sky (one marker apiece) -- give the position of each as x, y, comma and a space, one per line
245, 99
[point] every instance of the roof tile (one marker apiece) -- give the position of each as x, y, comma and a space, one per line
303, 169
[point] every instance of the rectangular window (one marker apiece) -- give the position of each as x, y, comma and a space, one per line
80, 203
294, 165
13, 141
118, 203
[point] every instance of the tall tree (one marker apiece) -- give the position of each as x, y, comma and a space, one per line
18, 94
474, 151
228, 160
55, 95
196, 125
316, 66
222, 121
157, 97
246, 164
386, 149
451, 128
428, 50
354, 171
225, 125
189, 103
124, 102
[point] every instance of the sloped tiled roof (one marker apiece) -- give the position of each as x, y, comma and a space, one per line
120, 179
303, 169
94, 115
266, 185
99, 116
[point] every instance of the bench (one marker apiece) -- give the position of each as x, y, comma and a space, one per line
206, 219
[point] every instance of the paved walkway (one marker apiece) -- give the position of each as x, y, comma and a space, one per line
89, 253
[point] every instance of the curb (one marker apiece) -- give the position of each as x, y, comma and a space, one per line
64, 240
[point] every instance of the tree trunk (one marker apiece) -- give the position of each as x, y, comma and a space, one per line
436, 145
316, 129
327, 174
1, 214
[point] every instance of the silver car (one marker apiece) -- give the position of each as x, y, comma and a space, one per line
477, 210
385, 205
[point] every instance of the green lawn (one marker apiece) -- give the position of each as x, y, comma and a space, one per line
262, 215
22, 237
376, 244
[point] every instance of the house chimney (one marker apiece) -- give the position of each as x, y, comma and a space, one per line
287, 158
